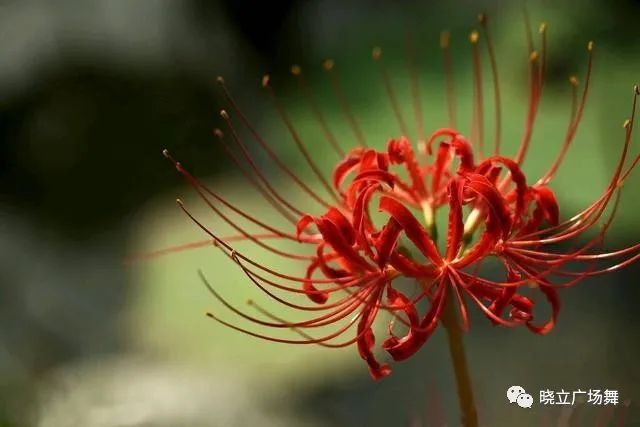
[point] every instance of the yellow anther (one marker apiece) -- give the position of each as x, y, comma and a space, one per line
328, 64
474, 37
376, 53
445, 37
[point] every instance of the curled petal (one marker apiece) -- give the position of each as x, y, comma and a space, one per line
405, 347
554, 300
346, 166
497, 214
459, 144
443, 157
398, 301
315, 295
386, 242
410, 268
366, 339
412, 228
342, 223
400, 151
328, 271
376, 175
302, 224
546, 209
507, 294
332, 236
546, 200
456, 226
516, 175
361, 219
463, 150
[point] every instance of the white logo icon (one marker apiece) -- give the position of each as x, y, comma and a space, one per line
524, 400
513, 392
517, 394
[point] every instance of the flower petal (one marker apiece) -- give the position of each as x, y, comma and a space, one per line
386, 242
412, 228
456, 226
400, 152
554, 300
405, 347
366, 338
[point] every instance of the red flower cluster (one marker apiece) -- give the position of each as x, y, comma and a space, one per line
379, 227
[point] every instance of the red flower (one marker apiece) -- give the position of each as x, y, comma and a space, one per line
356, 264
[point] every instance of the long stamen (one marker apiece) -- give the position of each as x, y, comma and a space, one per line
603, 201
528, 30
328, 66
577, 255
237, 255
377, 56
458, 283
298, 330
331, 336
319, 321
445, 42
478, 113
573, 80
534, 99
198, 187
253, 181
254, 166
296, 138
316, 307
543, 49
496, 85
146, 256
535, 85
353, 282
272, 316
265, 146
629, 125
571, 132
283, 167
415, 86
299, 326
296, 71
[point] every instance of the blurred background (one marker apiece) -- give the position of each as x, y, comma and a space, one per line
91, 92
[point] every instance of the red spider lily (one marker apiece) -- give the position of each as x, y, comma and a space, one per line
353, 263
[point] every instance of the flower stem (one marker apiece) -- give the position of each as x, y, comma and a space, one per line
459, 360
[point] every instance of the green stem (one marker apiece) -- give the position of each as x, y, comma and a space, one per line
458, 358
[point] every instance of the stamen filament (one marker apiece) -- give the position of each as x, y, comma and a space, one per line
445, 41
377, 57
328, 66
296, 71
